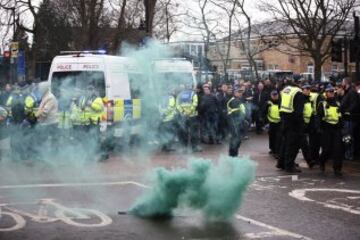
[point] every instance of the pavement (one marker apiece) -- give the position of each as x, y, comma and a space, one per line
81, 201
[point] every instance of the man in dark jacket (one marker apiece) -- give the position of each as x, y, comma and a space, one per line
349, 108
209, 107
260, 99
222, 98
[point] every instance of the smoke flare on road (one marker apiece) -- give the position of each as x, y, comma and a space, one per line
215, 189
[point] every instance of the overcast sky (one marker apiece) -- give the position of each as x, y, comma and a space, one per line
251, 8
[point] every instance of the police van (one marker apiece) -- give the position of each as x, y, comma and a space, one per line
172, 72
116, 79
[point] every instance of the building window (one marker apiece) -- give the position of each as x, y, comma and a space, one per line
310, 68
334, 68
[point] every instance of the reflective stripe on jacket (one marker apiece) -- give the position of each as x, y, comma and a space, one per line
331, 113
287, 99
307, 112
273, 114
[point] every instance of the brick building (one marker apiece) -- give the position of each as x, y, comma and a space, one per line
270, 53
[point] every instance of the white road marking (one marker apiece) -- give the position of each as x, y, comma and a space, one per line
60, 185
274, 230
70, 216
300, 194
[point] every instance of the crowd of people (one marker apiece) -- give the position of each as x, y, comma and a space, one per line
38, 123
321, 119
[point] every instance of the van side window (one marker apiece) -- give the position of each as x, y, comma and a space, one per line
138, 84
76, 82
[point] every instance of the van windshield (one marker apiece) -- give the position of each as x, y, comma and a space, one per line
172, 80
73, 84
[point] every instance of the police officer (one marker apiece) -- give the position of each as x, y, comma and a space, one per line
314, 125
273, 118
291, 111
236, 116
87, 113
331, 123
18, 124
187, 106
167, 110
308, 112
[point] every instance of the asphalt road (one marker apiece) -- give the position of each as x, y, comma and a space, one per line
71, 201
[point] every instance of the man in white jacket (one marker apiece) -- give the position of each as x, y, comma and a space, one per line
47, 119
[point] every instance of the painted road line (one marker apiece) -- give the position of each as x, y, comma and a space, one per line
300, 194
274, 230
60, 185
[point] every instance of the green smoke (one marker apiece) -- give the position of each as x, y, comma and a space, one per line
216, 189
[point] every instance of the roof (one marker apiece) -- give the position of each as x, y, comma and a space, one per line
272, 28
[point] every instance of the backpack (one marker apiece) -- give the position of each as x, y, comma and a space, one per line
185, 97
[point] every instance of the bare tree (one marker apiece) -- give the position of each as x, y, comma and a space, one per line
167, 19
89, 16
215, 31
149, 15
251, 38
229, 7
309, 26
19, 14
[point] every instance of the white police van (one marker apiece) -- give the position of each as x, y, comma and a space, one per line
172, 72
117, 80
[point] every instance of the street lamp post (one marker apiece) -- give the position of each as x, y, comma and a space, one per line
356, 40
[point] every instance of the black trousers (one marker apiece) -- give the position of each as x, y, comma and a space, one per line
167, 134
331, 143
291, 144
222, 126
235, 127
274, 137
315, 144
210, 127
305, 148
188, 130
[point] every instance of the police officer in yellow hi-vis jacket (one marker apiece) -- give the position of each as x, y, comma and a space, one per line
167, 110
291, 111
86, 115
314, 125
236, 111
188, 123
331, 124
274, 120
308, 112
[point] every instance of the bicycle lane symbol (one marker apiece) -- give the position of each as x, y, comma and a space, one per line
79, 217
342, 203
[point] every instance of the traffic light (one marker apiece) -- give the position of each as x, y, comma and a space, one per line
336, 51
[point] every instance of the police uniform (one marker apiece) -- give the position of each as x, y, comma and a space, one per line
307, 114
186, 104
274, 120
86, 115
314, 128
331, 141
291, 111
167, 110
236, 110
